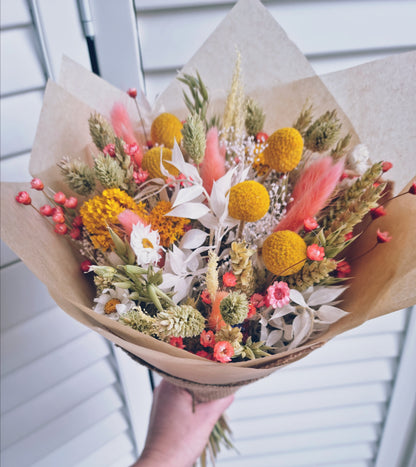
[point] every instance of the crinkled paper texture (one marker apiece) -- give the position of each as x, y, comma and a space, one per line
281, 79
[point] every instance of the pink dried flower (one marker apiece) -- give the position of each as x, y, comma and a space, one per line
71, 203
229, 279
348, 236
61, 229
379, 211
343, 269
223, 351
383, 237
110, 150
257, 300
278, 295
315, 252
412, 189
207, 339
85, 266
310, 224
213, 166
46, 210
23, 198
205, 297
37, 184
140, 175
177, 342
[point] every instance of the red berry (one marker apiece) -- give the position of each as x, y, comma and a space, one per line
71, 202
46, 210
77, 222
262, 137
75, 233
61, 229
132, 92
386, 166
58, 215
59, 197
23, 198
85, 265
37, 184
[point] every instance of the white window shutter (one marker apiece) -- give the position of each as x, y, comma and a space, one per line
62, 396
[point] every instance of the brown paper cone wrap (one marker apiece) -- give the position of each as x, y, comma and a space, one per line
384, 280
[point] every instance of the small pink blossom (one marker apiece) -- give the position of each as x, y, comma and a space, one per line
140, 175
75, 233
343, 269
315, 252
77, 222
58, 215
61, 229
59, 197
205, 297
204, 354
412, 189
386, 165
23, 198
46, 210
229, 279
310, 224
110, 150
348, 236
383, 237
132, 92
207, 339
377, 212
71, 202
278, 295
37, 184
223, 351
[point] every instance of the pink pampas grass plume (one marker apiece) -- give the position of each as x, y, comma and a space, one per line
311, 193
123, 128
213, 166
129, 218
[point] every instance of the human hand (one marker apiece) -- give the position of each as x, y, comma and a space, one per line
176, 435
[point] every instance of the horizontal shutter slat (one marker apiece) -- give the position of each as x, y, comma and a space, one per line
19, 118
23, 384
86, 442
36, 337
25, 73
55, 401
34, 447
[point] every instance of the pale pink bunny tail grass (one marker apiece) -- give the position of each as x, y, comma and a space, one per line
123, 128
311, 193
213, 166
128, 219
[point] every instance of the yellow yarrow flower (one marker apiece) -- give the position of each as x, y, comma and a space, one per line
284, 253
249, 201
170, 228
102, 212
166, 128
151, 162
284, 150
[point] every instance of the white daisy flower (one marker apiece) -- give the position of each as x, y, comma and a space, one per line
113, 303
145, 244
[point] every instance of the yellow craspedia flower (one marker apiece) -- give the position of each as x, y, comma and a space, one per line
249, 201
284, 253
284, 150
101, 212
151, 162
170, 228
166, 128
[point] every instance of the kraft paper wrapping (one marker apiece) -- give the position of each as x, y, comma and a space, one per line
384, 280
